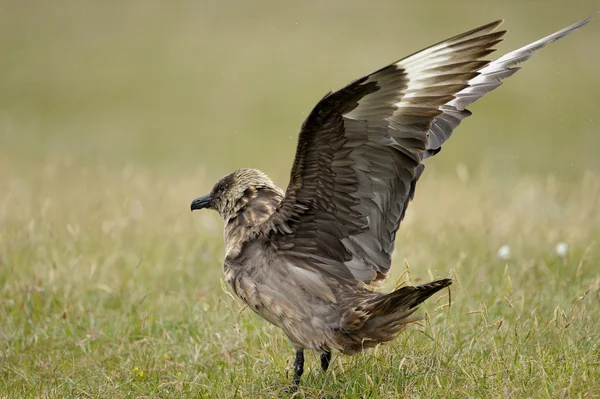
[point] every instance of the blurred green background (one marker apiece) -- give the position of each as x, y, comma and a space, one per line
189, 86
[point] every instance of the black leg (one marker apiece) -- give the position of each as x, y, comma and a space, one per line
298, 366
325, 359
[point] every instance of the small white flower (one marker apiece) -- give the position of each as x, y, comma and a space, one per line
504, 252
562, 248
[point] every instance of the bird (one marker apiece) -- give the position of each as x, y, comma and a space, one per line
309, 259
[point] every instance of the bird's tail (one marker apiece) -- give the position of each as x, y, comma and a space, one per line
382, 317
407, 298
389, 313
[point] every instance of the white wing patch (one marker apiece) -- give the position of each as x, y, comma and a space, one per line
491, 75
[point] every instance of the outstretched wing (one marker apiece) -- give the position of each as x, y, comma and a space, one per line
360, 150
489, 78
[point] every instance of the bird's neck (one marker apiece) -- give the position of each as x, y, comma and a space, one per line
248, 219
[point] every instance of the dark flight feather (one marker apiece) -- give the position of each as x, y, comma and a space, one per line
360, 150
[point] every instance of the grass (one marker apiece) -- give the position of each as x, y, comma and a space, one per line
111, 288
114, 115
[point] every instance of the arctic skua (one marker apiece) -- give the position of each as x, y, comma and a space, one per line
306, 259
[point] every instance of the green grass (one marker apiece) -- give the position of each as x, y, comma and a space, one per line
115, 115
111, 288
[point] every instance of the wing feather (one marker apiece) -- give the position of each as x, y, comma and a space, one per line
489, 78
360, 151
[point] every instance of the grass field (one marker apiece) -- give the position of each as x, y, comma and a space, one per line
113, 118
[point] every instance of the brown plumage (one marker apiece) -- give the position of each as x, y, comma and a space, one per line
304, 259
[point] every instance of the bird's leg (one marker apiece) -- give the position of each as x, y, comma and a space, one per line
325, 359
298, 366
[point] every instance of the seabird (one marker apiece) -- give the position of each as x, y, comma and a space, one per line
306, 259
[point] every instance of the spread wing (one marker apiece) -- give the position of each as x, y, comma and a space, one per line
489, 78
360, 151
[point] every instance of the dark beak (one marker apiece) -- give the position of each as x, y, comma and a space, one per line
201, 202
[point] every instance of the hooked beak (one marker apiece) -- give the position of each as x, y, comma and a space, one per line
201, 202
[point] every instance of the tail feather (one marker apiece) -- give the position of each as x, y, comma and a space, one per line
382, 318
410, 297
400, 304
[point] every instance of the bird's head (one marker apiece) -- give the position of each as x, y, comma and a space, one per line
233, 193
